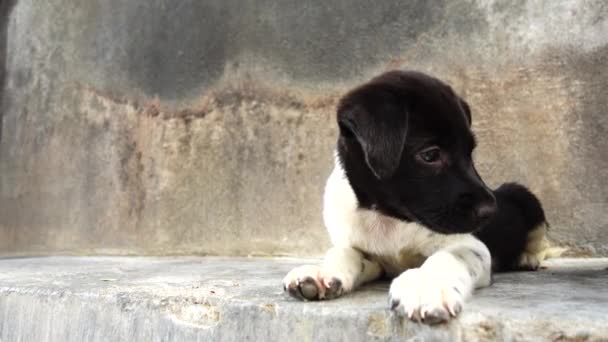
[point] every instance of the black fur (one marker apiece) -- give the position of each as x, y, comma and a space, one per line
519, 212
405, 145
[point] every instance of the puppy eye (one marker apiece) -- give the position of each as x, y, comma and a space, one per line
430, 155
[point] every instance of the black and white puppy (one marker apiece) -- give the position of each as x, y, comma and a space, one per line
404, 198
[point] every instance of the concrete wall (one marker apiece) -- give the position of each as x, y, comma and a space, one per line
161, 127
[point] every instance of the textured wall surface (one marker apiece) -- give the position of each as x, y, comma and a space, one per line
151, 126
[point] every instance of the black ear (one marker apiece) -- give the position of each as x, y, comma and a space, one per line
467, 111
381, 134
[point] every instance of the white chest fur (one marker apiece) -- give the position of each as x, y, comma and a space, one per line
395, 244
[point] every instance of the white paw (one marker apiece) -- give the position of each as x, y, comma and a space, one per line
312, 282
425, 297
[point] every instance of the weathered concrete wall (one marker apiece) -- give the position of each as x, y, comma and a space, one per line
207, 126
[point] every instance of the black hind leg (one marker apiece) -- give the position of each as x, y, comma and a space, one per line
516, 236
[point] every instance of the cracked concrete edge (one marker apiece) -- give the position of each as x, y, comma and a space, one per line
74, 318
220, 309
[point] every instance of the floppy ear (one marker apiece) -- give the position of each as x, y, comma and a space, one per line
467, 111
381, 135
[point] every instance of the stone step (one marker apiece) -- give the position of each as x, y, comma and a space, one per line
241, 299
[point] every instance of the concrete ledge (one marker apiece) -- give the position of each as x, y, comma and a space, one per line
237, 299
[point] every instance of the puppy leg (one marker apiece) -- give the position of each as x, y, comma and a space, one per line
436, 291
538, 248
342, 270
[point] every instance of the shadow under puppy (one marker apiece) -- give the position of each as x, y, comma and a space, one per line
405, 200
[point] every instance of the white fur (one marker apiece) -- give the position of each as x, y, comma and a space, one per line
435, 272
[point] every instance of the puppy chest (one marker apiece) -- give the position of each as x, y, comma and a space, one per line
377, 234
393, 265
394, 247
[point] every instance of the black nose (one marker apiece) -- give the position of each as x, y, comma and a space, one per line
485, 211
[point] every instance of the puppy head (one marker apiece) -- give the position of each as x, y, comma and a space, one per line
406, 147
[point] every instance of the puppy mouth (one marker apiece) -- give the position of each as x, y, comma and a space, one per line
449, 226
451, 229
443, 220
456, 218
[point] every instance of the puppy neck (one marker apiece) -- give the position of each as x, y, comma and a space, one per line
361, 185
341, 200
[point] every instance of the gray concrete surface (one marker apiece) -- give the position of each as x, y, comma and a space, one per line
207, 127
222, 299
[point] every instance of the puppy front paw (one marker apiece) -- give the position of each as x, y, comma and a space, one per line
311, 282
425, 298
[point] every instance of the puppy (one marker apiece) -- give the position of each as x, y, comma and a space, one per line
404, 198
